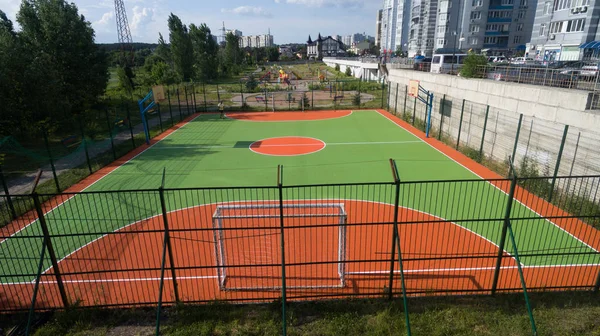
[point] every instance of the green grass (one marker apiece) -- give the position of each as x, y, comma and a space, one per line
556, 314
210, 152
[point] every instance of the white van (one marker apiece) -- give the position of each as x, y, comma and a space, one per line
523, 60
447, 63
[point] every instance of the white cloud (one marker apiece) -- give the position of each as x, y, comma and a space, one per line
10, 7
106, 19
248, 11
327, 3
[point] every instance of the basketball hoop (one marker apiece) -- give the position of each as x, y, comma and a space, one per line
413, 88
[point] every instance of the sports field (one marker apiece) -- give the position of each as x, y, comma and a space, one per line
447, 212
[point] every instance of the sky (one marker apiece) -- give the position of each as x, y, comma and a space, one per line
290, 21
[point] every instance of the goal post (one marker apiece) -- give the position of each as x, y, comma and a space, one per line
247, 245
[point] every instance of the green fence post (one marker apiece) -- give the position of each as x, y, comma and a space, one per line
281, 223
558, 158
405, 98
170, 109
51, 159
462, 113
204, 93
359, 89
487, 113
179, 104
87, 154
514, 152
129, 125
11, 206
112, 141
396, 246
53, 260
159, 117
414, 114
389, 95
442, 110
218, 94
161, 285
396, 102
507, 213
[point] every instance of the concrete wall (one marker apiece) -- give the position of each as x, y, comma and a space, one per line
368, 71
546, 111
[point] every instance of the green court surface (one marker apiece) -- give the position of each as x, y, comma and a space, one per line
213, 152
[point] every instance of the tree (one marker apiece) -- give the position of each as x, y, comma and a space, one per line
163, 50
66, 71
206, 52
181, 48
252, 83
232, 55
348, 71
472, 64
273, 54
337, 67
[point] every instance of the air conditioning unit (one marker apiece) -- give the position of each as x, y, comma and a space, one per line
552, 37
575, 10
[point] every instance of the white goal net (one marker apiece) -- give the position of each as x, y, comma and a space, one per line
248, 250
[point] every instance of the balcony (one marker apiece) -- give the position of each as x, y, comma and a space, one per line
502, 45
499, 19
497, 33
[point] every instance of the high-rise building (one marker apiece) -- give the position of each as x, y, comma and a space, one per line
497, 27
378, 28
394, 25
235, 32
565, 30
256, 41
422, 27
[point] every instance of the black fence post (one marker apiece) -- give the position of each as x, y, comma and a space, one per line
194, 97
389, 95
312, 96
487, 113
11, 206
396, 100
161, 192
51, 159
382, 94
130, 126
442, 110
414, 114
112, 142
187, 104
204, 93
36, 288
597, 286
509, 203
87, 154
159, 117
242, 92
179, 103
514, 152
170, 109
462, 113
282, 226
44, 226
558, 159
405, 98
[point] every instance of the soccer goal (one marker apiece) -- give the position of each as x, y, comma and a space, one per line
247, 244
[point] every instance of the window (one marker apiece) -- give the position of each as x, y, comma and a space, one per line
543, 29
547, 8
575, 25
565, 4
491, 27
520, 27
441, 42
517, 39
522, 14
490, 40
473, 40
436, 60
523, 3
507, 2
477, 3
500, 14
474, 28
475, 15
556, 27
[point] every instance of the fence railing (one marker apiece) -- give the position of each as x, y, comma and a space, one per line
258, 244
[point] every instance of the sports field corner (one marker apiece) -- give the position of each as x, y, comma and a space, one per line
337, 203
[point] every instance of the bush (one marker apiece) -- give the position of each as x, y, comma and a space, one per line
337, 67
356, 99
472, 62
306, 102
251, 84
348, 71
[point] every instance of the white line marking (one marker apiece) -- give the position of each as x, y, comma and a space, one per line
321, 141
112, 171
166, 278
535, 212
295, 120
297, 145
434, 270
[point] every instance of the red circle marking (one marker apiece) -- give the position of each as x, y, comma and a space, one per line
287, 146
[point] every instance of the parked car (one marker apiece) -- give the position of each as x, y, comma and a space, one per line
497, 59
523, 60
